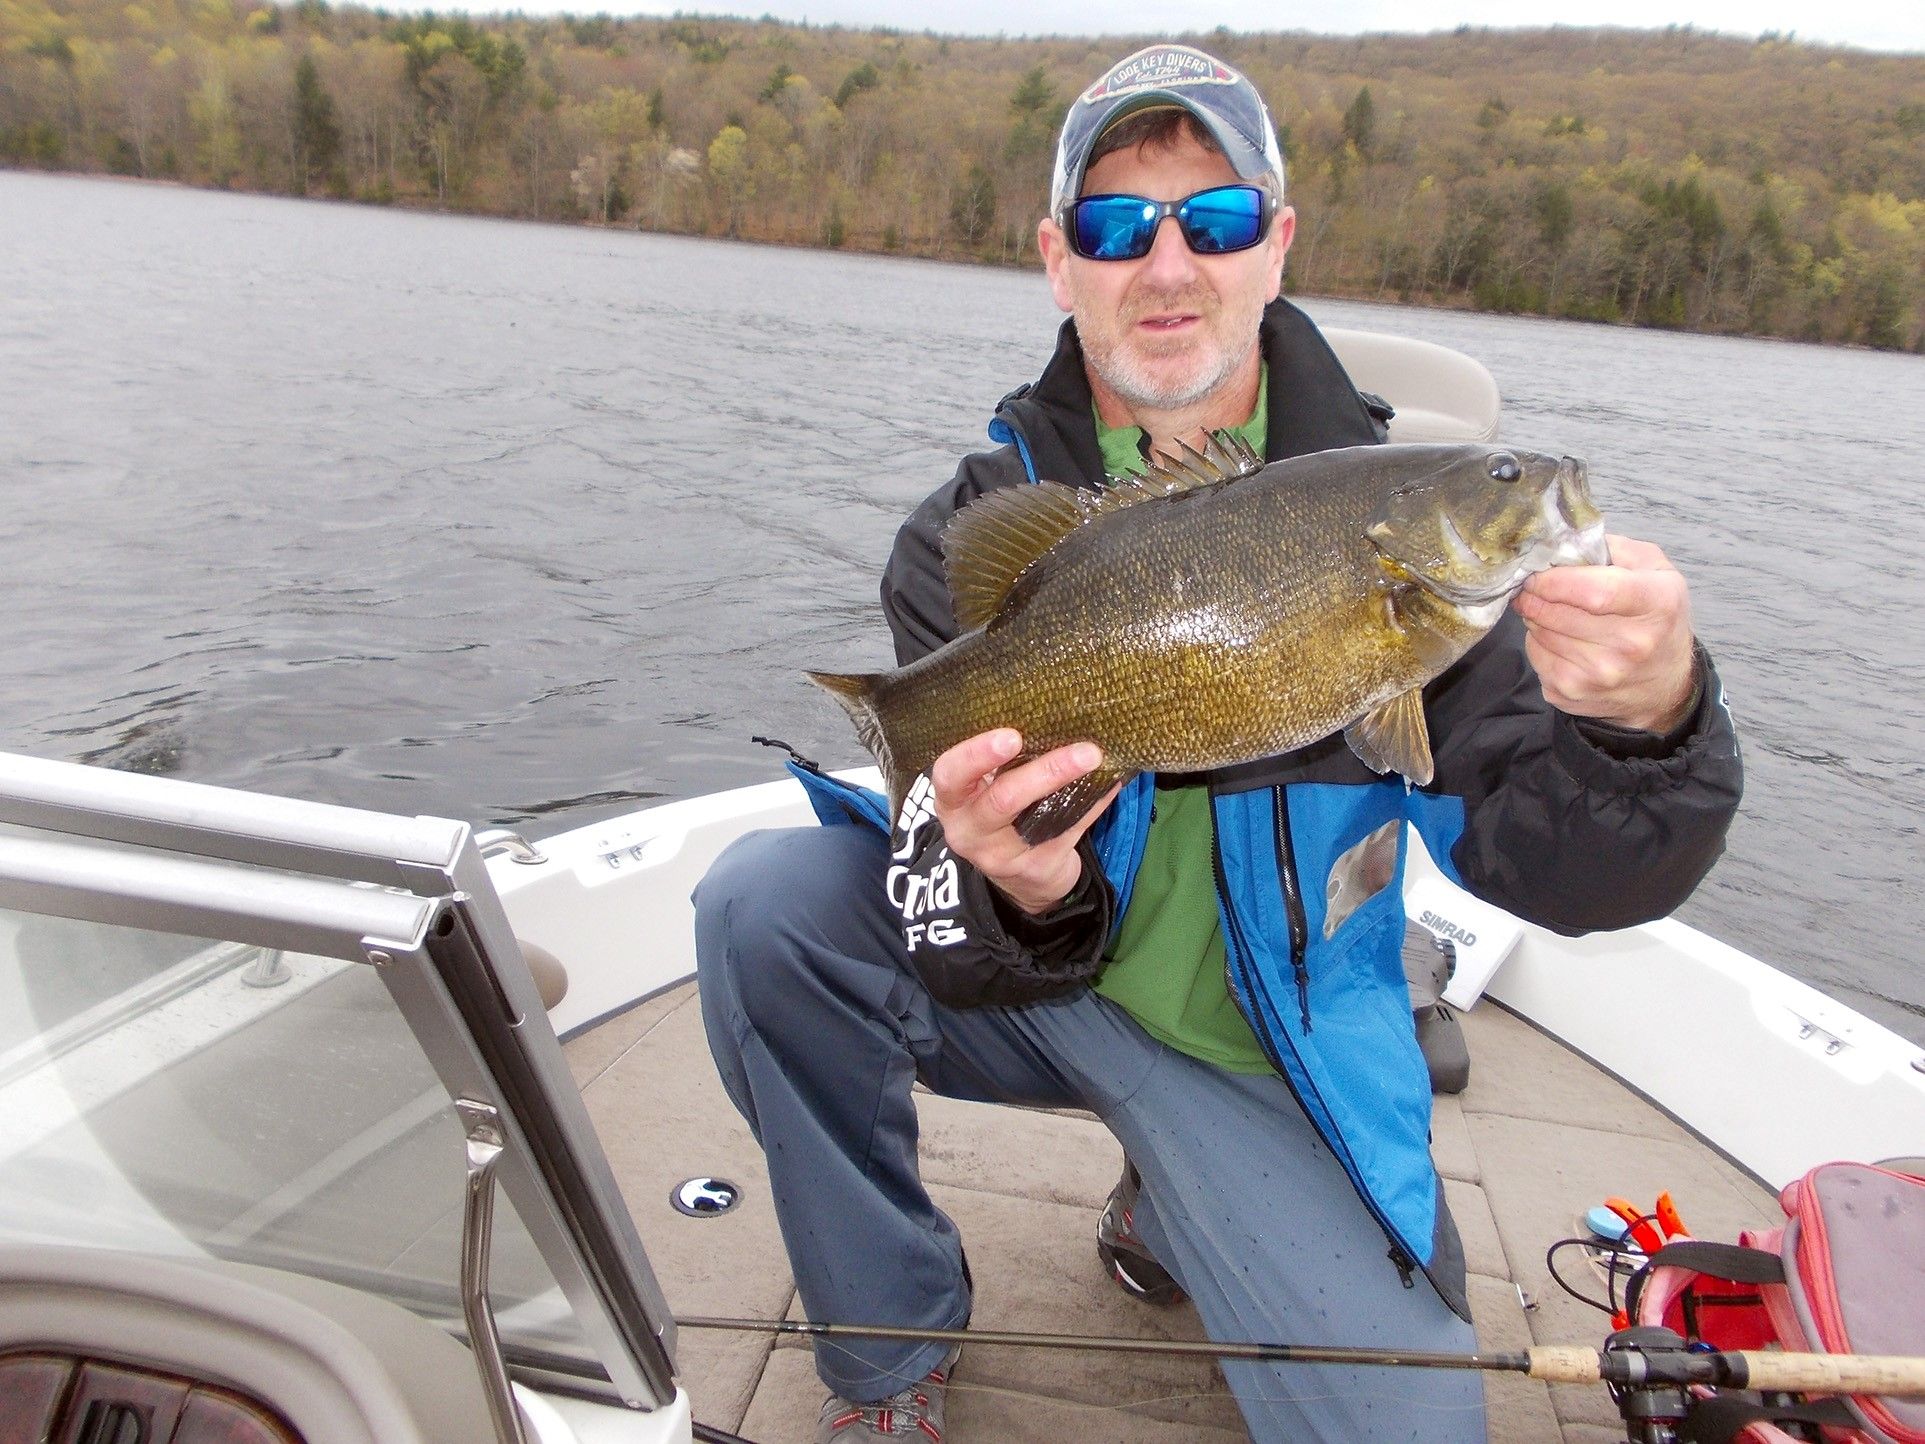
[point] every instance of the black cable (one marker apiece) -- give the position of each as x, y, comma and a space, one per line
709, 1434
1594, 1246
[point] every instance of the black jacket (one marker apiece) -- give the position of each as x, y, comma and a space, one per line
1570, 823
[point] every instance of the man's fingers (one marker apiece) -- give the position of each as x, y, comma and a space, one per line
979, 796
961, 772
1550, 597
1637, 556
1597, 590
1018, 788
1612, 641
1542, 615
978, 793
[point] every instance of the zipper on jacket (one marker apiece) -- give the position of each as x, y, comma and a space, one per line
1293, 905
1236, 953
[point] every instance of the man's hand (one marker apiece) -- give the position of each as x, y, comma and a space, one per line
978, 804
1613, 642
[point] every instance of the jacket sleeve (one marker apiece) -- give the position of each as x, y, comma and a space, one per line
994, 952
1571, 825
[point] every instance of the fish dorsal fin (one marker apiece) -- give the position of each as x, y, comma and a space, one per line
1225, 456
1394, 737
992, 541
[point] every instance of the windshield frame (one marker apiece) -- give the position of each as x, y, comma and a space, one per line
410, 897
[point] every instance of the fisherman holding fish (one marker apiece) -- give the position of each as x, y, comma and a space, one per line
1151, 752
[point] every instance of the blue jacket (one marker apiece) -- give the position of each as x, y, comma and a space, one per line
1571, 824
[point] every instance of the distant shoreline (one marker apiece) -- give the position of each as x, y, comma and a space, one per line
1671, 179
413, 206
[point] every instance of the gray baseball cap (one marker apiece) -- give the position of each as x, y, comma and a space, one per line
1164, 75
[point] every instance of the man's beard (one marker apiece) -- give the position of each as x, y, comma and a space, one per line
1134, 378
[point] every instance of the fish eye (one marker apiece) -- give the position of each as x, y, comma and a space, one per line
1504, 467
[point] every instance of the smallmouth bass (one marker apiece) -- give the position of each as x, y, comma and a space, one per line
1218, 610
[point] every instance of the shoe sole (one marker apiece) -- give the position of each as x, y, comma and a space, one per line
1162, 1293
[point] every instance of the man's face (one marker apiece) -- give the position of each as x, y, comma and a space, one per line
1165, 331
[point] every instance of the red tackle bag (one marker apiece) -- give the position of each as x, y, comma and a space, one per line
1844, 1275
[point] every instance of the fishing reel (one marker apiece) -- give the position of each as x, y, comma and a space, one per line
1671, 1392
1653, 1399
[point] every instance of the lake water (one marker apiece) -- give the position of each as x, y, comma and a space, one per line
526, 524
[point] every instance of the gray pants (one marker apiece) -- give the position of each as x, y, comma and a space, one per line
819, 1026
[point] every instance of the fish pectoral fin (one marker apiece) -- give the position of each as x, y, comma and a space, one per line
1064, 808
1394, 737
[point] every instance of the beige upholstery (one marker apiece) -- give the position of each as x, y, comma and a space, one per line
551, 977
1439, 394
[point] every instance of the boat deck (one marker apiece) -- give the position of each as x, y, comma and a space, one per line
1538, 1137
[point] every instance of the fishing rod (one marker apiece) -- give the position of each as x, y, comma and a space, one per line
1657, 1359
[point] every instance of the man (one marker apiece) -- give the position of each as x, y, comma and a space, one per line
1585, 774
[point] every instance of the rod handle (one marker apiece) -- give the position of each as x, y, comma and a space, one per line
1565, 1364
1894, 1375
1890, 1374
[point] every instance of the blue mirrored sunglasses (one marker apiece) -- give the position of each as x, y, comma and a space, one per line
1214, 222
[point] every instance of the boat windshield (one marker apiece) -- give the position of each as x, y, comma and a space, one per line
303, 1037
180, 1095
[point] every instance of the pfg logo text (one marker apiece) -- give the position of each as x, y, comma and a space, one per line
938, 932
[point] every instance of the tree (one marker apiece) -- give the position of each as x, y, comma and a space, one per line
775, 82
375, 103
1556, 219
453, 94
1034, 95
1360, 122
728, 160
1034, 105
974, 208
217, 133
863, 77
1555, 215
317, 138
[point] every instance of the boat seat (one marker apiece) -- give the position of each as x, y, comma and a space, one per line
548, 971
1439, 394
119, 1344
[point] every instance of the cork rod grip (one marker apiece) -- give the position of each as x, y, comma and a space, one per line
1565, 1364
1896, 1376
1891, 1374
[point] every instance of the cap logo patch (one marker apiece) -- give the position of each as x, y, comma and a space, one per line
1159, 68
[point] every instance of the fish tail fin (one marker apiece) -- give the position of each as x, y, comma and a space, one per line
858, 694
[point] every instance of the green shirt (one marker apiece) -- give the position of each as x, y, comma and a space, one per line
1167, 965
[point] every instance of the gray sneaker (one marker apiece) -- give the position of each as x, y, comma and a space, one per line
1126, 1257
912, 1413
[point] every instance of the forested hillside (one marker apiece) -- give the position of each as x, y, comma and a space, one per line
1668, 178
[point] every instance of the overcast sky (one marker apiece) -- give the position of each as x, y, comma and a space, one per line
1873, 24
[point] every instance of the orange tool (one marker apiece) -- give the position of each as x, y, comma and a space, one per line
1668, 1220
1644, 1231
